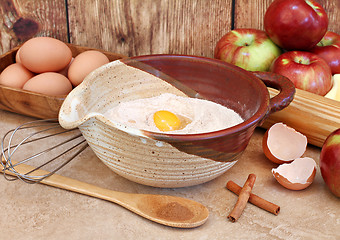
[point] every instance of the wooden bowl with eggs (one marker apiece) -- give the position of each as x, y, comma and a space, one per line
36, 104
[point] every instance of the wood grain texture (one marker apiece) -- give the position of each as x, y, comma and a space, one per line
23, 19
250, 13
332, 8
312, 115
133, 27
35, 104
149, 27
164, 209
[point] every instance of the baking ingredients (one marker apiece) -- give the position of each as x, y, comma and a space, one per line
84, 63
250, 49
283, 144
330, 162
64, 71
254, 199
49, 55
329, 49
306, 70
44, 54
15, 75
334, 93
195, 115
296, 175
49, 83
242, 198
166, 121
295, 24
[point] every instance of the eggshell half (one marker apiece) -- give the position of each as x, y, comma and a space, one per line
15, 75
296, 175
85, 63
283, 144
45, 54
49, 83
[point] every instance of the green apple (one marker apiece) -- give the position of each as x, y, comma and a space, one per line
250, 49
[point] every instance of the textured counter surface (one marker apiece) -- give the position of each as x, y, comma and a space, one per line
42, 212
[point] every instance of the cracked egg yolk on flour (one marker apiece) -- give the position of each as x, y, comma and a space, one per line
169, 113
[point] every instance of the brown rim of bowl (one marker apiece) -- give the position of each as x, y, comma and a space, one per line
253, 120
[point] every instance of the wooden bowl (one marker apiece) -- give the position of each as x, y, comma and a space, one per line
171, 160
36, 104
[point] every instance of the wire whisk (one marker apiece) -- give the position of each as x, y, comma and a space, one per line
31, 139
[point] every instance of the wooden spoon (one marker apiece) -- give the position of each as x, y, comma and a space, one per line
167, 210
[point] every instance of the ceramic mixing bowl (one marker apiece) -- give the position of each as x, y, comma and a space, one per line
171, 160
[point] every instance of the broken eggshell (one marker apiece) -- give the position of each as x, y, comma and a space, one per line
283, 144
296, 175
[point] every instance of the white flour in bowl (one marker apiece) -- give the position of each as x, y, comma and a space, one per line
199, 116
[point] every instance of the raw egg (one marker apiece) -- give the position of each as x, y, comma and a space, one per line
296, 175
166, 121
45, 54
173, 114
49, 83
15, 75
283, 144
84, 63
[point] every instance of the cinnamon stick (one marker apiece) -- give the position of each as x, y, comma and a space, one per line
254, 199
242, 198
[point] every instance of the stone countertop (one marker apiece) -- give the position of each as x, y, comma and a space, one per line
35, 211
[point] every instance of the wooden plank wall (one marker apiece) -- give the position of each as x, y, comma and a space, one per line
134, 27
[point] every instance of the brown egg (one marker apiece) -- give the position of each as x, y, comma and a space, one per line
17, 57
49, 83
64, 71
45, 54
15, 75
85, 63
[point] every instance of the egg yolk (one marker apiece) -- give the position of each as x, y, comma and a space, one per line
166, 121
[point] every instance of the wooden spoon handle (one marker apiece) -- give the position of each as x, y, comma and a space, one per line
73, 185
157, 208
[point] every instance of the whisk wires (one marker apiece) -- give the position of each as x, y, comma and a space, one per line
40, 130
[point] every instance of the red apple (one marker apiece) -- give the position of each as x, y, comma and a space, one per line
330, 162
250, 49
295, 24
329, 49
306, 70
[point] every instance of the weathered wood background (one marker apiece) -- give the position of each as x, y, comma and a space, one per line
134, 27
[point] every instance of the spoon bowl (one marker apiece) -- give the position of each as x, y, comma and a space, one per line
166, 210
